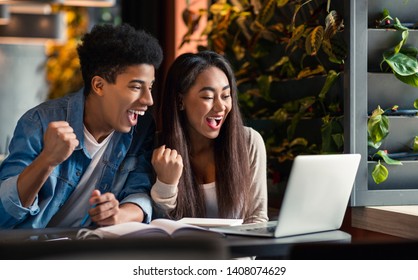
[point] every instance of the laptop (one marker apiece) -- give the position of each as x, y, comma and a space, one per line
315, 199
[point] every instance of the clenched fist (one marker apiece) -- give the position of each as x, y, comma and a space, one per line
59, 142
168, 165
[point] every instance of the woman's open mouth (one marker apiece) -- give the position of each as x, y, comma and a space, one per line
214, 122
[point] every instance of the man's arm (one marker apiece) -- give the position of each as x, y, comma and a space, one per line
59, 143
106, 210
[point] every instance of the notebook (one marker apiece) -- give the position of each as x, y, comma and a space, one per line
315, 199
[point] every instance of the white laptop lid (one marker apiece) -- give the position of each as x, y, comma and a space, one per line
317, 193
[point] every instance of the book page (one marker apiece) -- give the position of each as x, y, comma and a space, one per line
177, 229
170, 226
211, 222
129, 229
157, 227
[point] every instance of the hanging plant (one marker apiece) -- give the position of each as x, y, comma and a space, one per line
377, 131
401, 59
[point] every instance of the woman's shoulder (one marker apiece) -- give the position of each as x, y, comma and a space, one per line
253, 137
255, 144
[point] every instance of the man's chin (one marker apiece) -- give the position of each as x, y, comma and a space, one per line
124, 129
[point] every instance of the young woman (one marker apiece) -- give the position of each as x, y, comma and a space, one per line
210, 164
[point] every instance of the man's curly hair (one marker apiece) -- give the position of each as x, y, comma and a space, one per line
108, 50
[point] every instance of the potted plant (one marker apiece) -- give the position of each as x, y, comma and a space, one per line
287, 57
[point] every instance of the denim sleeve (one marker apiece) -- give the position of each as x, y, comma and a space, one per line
138, 185
137, 182
24, 147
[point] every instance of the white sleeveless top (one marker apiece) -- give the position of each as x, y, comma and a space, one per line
211, 201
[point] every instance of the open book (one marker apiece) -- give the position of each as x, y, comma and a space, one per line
157, 228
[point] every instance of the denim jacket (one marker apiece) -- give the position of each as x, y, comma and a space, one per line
127, 172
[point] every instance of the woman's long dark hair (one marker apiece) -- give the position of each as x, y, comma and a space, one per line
230, 148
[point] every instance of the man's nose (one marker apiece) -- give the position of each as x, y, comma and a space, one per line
146, 97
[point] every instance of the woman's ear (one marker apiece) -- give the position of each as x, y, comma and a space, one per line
97, 84
180, 103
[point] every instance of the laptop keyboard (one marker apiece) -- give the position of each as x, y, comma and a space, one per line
262, 229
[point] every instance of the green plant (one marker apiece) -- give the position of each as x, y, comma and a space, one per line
272, 42
377, 130
62, 66
401, 59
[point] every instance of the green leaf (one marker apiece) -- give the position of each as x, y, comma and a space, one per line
387, 159
370, 143
280, 115
326, 132
296, 35
377, 126
331, 78
415, 146
220, 8
416, 104
332, 135
386, 14
379, 173
410, 51
398, 25
267, 12
264, 83
411, 80
299, 141
314, 40
402, 64
338, 139
281, 3
399, 46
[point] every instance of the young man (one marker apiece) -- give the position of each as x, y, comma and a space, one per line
85, 158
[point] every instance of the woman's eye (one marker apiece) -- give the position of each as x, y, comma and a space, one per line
207, 97
226, 96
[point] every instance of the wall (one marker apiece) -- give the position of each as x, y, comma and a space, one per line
181, 28
22, 85
367, 86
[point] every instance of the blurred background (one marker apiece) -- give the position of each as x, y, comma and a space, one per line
38, 60
288, 57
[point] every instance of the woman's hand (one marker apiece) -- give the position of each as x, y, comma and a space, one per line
168, 165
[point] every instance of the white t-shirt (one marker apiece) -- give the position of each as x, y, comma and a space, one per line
72, 213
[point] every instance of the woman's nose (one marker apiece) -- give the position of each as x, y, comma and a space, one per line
218, 105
